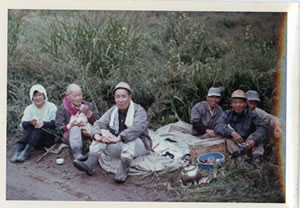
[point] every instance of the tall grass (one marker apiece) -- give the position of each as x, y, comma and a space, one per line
170, 65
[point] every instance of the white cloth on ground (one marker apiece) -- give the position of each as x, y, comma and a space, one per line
179, 132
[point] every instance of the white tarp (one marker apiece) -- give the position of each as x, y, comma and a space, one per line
174, 140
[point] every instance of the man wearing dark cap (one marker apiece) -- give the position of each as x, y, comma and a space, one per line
121, 132
272, 123
243, 130
205, 114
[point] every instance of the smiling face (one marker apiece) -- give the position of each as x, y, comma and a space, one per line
75, 97
252, 104
122, 99
238, 105
38, 99
213, 101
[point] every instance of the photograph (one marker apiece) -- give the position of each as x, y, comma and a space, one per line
152, 104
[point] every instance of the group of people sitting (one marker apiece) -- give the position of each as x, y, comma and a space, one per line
122, 131
245, 127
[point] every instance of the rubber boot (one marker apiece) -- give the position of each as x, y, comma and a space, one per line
24, 154
78, 155
122, 172
88, 166
20, 147
256, 161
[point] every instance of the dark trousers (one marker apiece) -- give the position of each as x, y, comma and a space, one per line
37, 138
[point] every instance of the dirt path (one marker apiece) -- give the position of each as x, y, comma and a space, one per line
47, 181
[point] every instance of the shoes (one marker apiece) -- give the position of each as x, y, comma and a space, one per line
77, 154
256, 161
20, 148
24, 154
237, 155
122, 172
88, 166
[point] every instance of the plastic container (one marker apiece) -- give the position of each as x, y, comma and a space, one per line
60, 161
204, 162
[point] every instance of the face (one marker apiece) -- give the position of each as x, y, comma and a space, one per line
75, 97
38, 99
213, 101
238, 105
252, 104
122, 99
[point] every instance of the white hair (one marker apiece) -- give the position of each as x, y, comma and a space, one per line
72, 87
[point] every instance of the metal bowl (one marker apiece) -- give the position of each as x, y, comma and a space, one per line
204, 160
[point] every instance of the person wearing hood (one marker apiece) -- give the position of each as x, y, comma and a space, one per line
74, 119
121, 132
37, 122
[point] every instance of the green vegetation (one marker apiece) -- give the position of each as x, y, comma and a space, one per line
170, 59
235, 182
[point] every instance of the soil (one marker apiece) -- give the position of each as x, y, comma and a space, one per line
45, 180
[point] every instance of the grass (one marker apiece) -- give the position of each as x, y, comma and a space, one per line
170, 59
235, 182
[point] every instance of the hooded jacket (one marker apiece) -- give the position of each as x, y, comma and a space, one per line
45, 114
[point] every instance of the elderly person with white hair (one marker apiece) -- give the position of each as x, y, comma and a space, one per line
121, 132
37, 120
73, 118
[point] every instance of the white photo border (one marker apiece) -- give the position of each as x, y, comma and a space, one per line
292, 90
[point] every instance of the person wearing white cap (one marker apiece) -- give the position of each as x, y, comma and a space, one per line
205, 114
37, 123
242, 129
121, 132
272, 122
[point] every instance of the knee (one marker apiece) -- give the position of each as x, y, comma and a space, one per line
128, 150
75, 129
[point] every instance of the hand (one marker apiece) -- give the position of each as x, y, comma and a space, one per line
33, 122
277, 132
236, 137
103, 139
85, 110
250, 143
76, 123
39, 124
210, 132
115, 140
98, 138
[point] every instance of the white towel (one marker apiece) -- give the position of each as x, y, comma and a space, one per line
114, 119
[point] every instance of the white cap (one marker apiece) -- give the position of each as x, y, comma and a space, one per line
122, 85
214, 91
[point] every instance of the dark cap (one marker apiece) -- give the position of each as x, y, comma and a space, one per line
252, 95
